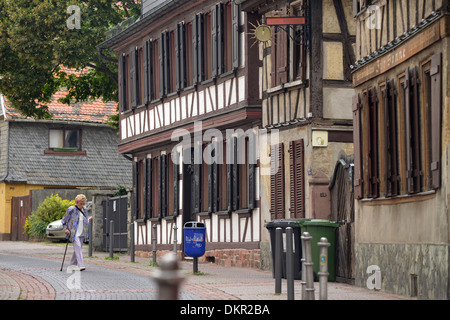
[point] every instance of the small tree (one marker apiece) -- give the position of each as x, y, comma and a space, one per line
51, 209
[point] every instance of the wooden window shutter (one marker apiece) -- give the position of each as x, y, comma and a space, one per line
162, 186
149, 188
415, 130
436, 106
214, 45
215, 180
122, 83
176, 182
210, 187
167, 74
357, 179
161, 64
196, 180
408, 142
235, 21
180, 56
220, 39
135, 207
144, 189
133, 84
148, 71
297, 175
281, 56
177, 48
182, 50
373, 149
251, 178
195, 51
391, 152
387, 174
235, 175
200, 43
230, 166
395, 178
277, 181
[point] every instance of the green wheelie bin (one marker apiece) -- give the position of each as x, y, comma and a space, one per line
319, 229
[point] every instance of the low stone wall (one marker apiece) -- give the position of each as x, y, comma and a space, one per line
410, 270
224, 257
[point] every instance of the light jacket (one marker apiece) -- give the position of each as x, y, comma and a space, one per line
71, 220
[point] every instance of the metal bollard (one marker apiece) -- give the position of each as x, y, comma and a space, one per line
91, 241
278, 256
168, 277
290, 263
132, 242
175, 228
303, 282
323, 270
309, 268
111, 239
154, 243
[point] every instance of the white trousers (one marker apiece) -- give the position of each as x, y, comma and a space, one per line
77, 257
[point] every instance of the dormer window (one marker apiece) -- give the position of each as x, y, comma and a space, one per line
64, 142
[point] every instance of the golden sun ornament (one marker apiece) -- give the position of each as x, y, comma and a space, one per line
261, 33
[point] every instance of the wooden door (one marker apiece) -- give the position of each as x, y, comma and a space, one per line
20, 210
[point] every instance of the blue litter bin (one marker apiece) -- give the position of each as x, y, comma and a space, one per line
194, 239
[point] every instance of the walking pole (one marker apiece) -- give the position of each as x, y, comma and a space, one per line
65, 251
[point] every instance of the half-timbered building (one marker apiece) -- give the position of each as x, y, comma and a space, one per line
401, 141
190, 113
306, 92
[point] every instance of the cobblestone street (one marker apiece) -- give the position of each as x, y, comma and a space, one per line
31, 271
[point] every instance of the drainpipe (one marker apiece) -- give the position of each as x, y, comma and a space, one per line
3, 109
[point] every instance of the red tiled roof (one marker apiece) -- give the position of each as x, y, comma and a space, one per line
90, 111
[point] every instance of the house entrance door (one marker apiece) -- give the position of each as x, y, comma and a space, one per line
20, 210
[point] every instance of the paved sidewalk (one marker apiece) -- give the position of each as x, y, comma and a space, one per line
213, 283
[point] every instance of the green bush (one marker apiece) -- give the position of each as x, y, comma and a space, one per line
51, 209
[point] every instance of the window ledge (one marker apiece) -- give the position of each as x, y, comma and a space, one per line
405, 198
64, 153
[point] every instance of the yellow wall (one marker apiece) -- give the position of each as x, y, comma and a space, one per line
7, 191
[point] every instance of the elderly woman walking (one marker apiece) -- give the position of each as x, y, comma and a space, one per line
76, 225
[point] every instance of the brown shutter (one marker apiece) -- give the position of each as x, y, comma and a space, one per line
277, 181
195, 51
133, 84
358, 181
408, 144
282, 55
220, 38
122, 83
177, 35
149, 188
214, 53
297, 175
176, 182
134, 202
390, 123
161, 61
373, 151
415, 130
436, 105
235, 18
